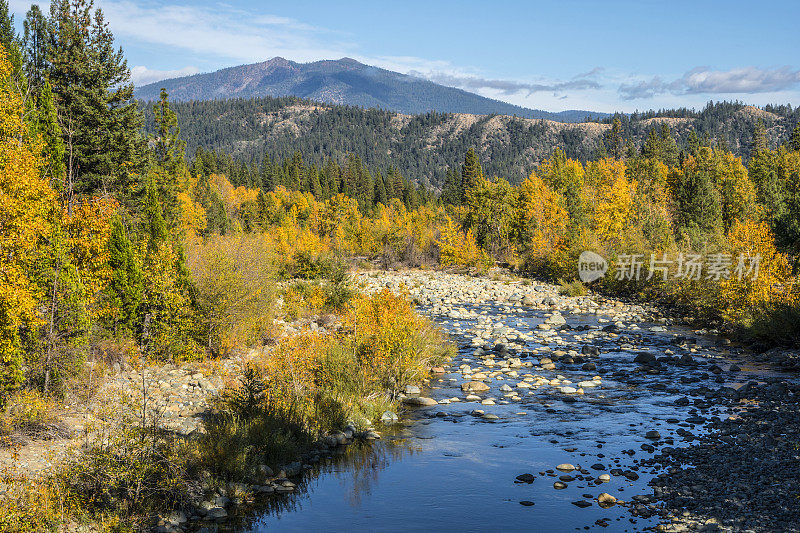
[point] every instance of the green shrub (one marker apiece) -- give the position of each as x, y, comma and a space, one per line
235, 290
572, 288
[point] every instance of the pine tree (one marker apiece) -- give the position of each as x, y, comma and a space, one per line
794, 142
293, 172
669, 148
126, 286
314, 185
759, 143
99, 119
168, 158
380, 191
615, 142
651, 148
155, 227
453, 192
47, 126
471, 172
696, 197
34, 46
168, 148
267, 174
8, 38
7, 34
693, 142
394, 183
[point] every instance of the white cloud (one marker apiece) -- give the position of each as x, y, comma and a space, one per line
509, 87
141, 75
222, 32
704, 80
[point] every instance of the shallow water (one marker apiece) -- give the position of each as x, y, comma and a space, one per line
446, 470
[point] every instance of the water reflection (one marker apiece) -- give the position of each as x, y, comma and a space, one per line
357, 467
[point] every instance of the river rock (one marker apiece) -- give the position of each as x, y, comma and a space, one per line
645, 358
474, 386
420, 401
389, 417
606, 500
216, 513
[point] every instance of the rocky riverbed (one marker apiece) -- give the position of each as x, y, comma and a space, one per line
716, 425
558, 413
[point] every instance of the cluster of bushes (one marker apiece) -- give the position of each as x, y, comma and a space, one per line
313, 383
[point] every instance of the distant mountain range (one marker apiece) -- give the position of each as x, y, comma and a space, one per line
344, 82
424, 146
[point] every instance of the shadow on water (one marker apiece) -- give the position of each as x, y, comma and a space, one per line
361, 463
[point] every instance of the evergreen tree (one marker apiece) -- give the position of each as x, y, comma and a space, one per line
615, 141
293, 172
155, 228
380, 191
759, 143
34, 46
471, 172
267, 174
168, 158
452, 193
47, 126
669, 148
168, 148
697, 201
99, 119
693, 142
7, 34
794, 142
394, 183
651, 148
125, 287
314, 186
8, 38
216, 215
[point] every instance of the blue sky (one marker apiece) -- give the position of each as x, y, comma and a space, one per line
602, 55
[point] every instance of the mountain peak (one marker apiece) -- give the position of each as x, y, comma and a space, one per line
277, 61
340, 81
350, 62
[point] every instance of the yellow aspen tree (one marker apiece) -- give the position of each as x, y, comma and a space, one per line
614, 207
759, 273
541, 218
25, 204
737, 192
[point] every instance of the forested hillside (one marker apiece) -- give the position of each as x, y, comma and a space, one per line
422, 147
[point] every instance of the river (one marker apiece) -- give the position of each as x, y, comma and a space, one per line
450, 468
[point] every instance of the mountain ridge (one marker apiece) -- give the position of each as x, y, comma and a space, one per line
424, 146
344, 81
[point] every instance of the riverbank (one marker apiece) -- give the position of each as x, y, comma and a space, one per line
745, 473
201, 439
527, 355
